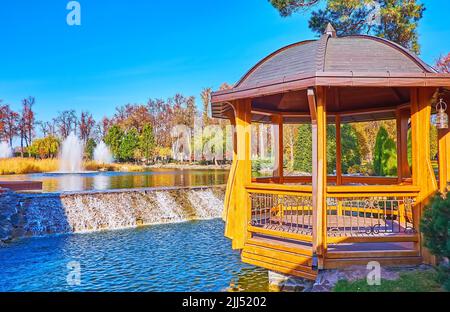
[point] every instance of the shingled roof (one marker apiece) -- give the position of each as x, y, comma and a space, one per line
330, 61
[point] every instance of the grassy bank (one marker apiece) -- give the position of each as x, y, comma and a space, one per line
30, 165
419, 281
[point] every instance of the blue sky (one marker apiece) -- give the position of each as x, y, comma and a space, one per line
129, 51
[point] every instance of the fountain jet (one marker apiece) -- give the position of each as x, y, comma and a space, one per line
5, 150
102, 154
71, 159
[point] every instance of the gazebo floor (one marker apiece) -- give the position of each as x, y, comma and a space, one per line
338, 226
295, 257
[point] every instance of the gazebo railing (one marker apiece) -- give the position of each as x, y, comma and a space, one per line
370, 216
352, 212
281, 208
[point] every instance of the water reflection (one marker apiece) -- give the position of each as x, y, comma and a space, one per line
71, 182
53, 182
101, 182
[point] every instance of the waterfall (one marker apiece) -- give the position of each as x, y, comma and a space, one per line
5, 150
71, 159
102, 154
95, 211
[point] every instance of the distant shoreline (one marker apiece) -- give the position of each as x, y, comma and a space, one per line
20, 166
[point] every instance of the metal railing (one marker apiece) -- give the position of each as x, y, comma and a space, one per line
370, 216
287, 213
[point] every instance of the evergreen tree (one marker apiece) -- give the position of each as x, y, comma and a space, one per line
147, 142
129, 145
435, 227
114, 139
385, 154
351, 151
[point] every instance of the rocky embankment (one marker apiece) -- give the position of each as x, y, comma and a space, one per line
55, 213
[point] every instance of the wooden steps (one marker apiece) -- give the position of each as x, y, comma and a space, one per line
280, 256
384, 261
295, 258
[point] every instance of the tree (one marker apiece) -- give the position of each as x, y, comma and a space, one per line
114, 139
351, 151
385, 155
129, 145
66, 123
443, 64
86, 127
395, 20
26, 123
287, 7
206, 100
9, 123
147, 142
89, 148
303, 149
435, 227
44, 148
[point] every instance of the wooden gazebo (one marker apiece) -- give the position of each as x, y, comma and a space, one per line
296, 225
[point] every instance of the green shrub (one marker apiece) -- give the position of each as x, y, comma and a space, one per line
435, 226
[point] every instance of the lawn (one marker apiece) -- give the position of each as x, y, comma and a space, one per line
420, 281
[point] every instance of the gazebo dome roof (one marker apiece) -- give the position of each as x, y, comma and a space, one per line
334, 54
358, 72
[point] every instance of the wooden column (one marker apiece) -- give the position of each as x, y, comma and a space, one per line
403, 170
278, 148
238, 206
338, 151
444, 149
422, 171
317, 107
229, 200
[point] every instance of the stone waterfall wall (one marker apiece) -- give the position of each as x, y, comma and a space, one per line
52, 213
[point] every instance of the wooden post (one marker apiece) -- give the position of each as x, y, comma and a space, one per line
317, 107
403, 170
239, 212
443, 140
338, 151
278, 148
422, 171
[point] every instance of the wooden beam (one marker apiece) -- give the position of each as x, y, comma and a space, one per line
403, 170
422, 172
312, 105
338, 151
239, 213
443, 140
278, 148
319, 176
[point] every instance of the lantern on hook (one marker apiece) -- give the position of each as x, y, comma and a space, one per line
441, 115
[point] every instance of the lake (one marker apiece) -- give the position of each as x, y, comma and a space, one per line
189, 256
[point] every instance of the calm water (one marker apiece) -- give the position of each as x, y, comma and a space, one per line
191, 256
120, 180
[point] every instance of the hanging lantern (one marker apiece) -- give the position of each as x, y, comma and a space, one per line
441, 115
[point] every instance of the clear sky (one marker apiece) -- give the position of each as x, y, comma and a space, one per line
129, 51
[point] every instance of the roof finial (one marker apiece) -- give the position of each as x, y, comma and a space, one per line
330, 30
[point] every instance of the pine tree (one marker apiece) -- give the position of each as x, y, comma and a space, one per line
385, 154
395, 20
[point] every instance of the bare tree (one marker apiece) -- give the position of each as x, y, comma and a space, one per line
66, 122
27, 123
86, 127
